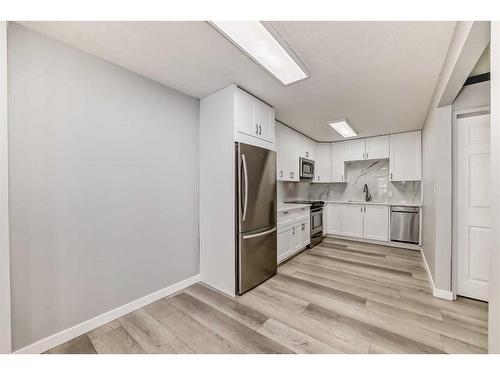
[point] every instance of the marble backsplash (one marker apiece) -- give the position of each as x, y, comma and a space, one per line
374, 173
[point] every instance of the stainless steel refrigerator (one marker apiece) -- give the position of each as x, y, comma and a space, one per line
256, 238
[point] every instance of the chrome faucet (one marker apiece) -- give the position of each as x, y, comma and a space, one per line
368, 196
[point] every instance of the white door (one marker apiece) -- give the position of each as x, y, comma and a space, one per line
377, 147
281, 152
333, 212
405, 157
264, 120
338, 162
354, 150
473, 213
295, 148
352, 220
323, 165
376, 222
245, 121
285, 242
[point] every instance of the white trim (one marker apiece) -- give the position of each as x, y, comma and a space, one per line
84, 327
5, 324
440, 293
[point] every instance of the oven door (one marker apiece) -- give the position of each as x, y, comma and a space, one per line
316, 227
306, 168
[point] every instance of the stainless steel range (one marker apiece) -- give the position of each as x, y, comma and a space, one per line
316, 220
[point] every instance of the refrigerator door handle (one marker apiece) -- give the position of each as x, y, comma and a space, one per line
249, 236
245, 174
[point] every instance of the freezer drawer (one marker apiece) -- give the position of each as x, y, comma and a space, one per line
405, 222
257, 258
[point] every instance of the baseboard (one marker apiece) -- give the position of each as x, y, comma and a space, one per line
436, 292
84, 327
399, 245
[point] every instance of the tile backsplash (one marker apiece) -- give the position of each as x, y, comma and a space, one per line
374, 173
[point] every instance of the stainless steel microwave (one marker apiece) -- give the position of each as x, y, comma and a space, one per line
306, 169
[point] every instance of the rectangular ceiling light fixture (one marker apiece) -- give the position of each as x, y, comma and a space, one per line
343, 128
257, 42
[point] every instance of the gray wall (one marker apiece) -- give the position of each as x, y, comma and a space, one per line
103, 185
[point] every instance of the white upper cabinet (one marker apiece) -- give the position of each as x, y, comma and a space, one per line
405, 157
264, 120
254, 118
323, 165
377, 147
376, 222
354, 150
369, 148
338, 162
287, 159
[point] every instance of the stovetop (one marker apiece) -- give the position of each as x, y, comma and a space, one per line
313, 204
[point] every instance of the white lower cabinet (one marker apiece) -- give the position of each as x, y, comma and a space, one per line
358, 220
293, 233
352, 220
376, 223
332, 221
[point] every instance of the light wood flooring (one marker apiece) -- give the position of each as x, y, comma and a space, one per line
339, 297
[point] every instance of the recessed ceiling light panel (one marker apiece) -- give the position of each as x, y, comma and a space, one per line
343, 128
257, 42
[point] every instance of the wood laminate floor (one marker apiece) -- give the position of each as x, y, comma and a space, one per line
339, 297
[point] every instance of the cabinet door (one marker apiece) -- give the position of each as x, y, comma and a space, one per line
285, 242
310, 148
333, 212
354, 150
295, 147
376, 222
306, 234
245, 121
264, 120
297, 237
323, 165
352, 220
377, 147
338, 162
281, 152
405, 161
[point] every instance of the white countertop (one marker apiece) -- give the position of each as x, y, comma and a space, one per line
291, 206
405, 204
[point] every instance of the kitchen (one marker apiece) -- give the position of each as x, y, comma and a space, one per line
221, 197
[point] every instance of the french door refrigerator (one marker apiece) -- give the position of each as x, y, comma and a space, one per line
256, 238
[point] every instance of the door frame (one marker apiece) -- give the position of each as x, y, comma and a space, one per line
5, 313
456, 115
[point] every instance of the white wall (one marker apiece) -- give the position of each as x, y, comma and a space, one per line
4, 200
103, 186
437, 185
468, 42
494, 303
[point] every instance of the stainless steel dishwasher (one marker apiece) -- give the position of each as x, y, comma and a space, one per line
405, 222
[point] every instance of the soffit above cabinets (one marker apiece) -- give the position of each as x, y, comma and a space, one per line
379, 75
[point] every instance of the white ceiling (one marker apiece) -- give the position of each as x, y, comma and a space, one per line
378, 75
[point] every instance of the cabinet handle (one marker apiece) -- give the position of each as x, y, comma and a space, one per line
260, 129
361, 208
303, 226
291, 174
281, 174
307, 154
293, 231
391, 175
257, 128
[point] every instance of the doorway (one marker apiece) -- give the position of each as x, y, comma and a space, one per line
472, 212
